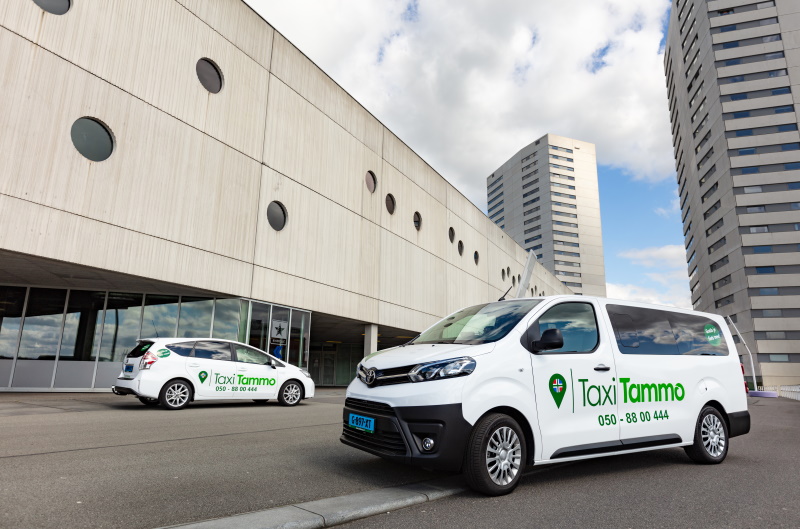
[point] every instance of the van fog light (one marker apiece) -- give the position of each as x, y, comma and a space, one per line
427, 444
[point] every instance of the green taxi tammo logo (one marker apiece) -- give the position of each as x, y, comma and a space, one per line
558, 388
202, 375
712, 334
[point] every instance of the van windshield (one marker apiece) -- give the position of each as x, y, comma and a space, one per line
479, 324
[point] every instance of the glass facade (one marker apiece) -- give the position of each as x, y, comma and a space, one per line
76, 339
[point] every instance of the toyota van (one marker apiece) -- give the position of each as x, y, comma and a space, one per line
496, 387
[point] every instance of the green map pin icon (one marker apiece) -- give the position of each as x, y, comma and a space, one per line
202, 375
558, 388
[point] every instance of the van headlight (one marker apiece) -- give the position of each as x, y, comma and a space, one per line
456, 367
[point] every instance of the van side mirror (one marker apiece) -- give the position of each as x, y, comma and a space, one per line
551, 339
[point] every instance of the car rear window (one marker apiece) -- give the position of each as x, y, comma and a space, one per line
182, 349
140, 349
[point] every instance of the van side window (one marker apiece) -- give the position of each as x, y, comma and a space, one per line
213, 350
661, 332
577, 324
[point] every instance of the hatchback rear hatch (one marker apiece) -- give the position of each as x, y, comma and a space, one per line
132, 363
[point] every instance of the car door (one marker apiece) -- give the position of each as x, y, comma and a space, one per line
256, 372
575, 385
212, 370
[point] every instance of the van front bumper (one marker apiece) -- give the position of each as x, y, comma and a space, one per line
399, 433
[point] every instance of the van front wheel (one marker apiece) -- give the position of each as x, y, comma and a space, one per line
710, 438
495, 456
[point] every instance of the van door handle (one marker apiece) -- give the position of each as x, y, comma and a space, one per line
601, 367
194, 365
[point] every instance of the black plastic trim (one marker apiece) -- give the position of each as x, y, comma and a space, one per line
616, 446
739, 423
445, 423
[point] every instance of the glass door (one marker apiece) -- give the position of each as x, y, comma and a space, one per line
259, 325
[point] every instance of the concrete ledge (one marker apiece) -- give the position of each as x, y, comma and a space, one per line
338, 510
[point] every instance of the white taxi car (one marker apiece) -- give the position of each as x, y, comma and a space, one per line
176, 371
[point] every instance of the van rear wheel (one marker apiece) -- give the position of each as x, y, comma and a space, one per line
495, 456
710, 438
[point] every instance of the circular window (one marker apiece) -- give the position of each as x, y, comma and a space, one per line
371, 181
209, 75
519, 279
56, 7
276, 215
508, 271
532, 292
460, 248
452, 234
417, 220
476, 257
503, 274
390, 204
92, 139
513, 281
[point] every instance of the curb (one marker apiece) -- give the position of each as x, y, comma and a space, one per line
338, 510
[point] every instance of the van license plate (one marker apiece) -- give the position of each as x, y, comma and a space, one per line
128, 368
362, 423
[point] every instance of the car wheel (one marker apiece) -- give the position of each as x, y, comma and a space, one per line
261, 401
175, 395
147, 401
710, 438
495, 456
291, 393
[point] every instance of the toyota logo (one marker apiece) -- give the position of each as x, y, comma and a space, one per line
369, 379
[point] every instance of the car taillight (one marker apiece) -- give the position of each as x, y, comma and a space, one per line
746, 389
147, 360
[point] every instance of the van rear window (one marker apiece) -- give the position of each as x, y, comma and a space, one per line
661, 332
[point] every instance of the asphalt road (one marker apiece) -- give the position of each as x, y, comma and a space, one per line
757, 486
96, 460
100, 460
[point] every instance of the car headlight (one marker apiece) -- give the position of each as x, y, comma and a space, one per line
306, 373
455, 367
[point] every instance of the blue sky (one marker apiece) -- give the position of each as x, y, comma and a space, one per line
467, 83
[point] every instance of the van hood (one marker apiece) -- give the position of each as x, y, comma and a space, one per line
408, 355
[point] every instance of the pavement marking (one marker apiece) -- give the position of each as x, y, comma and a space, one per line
338, 510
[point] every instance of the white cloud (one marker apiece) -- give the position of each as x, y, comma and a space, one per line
673, 209
674, 295
670, 256
666, 282
467, 84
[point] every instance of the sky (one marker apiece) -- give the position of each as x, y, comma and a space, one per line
468, 83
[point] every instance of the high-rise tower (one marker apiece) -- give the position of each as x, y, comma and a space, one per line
546, 198
732, 76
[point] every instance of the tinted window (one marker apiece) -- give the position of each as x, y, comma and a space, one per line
660, 332
182, 349
251, 356
213, 350
140, 349
577, 324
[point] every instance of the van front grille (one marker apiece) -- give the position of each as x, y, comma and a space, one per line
386, 440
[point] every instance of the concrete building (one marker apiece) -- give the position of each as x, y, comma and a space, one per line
177, 167
733, 81
546, 198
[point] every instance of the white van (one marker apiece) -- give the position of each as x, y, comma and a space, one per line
175, 371
495, 387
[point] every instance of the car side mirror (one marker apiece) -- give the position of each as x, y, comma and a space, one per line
551, 339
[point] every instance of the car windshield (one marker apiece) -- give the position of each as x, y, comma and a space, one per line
479, 324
